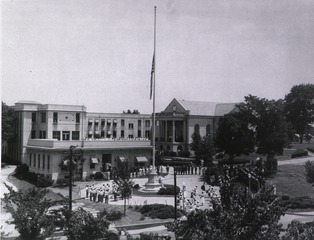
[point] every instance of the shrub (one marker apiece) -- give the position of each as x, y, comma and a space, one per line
136, 186
99, 176
160, 211
114, 215
184, 154
299, 203
43, 182
168, 190
22, 170
299, 153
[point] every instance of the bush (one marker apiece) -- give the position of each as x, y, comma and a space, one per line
43, 182
99, 176
159, 211
299, 153
168, 190
114, 215
184, 154
171, 154
22, 170
299, 203
136, 186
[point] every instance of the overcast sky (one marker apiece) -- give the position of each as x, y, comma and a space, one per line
99, 53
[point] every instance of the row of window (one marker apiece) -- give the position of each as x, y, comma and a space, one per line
113, 134
35, 160
66, 135
197, 129
115, 121
43, 117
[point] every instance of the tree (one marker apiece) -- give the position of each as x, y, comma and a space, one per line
203, 147
266, 118
299, 231
8, 121
121, 174
309, 171
234, 135
29, 211
299, 108
237, 215
81, 225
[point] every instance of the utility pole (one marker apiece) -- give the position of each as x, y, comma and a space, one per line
175, 192
70, 180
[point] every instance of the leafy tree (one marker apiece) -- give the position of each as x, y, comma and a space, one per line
266, 117
81, 225
203, 147
237, 215
29, 211
121, 174
309, 171
8, 121
234, 135
299, 231
299, 108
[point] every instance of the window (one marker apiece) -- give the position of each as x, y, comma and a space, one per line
48, 162
103, 121
122, 133
38, 161
43, 117
147, 134
75, 135
208, 129
130, 136
131, 125
56, 135
115, 122
196, 128
33, 117
65, 135
114, 133
147, 123
33, 134
34, 160
139, 123
30, 159
42, 134
122, 122
139, 133
44, 161
55, 117
102, 134
77, 117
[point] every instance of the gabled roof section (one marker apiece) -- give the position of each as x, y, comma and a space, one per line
201, 108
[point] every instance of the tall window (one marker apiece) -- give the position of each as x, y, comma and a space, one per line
42, 134
56, 135
75, 135
130, 135
122, 133
147, 134
55, 117
43, 117
44, 161
147, 123
139, 133
38, 165
33, 117
48, 162
30, 159
197, 128
77, 117
65, 135
122, 122
208, 129
33, 134
114, 133
139, 123
131, 125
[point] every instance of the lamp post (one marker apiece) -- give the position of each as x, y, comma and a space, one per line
175, 192
249, 176
71, 148
183, 195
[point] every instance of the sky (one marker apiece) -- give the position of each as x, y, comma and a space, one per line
99, 53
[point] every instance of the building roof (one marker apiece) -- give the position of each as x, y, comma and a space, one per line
207, 108
27, 102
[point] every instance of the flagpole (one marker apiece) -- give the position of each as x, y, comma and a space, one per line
153, 129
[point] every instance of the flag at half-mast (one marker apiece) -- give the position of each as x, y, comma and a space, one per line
152, 76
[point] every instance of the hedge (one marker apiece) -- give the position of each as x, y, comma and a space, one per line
299, 153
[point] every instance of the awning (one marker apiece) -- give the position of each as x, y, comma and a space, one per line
115, 121
109, 132
97, 120
90, 120
141, 159
96, 132
90, 132
94, 160
66, 162
109, 121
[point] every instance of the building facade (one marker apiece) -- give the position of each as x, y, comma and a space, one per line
46, 132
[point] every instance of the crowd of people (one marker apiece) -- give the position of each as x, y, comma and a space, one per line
102, 194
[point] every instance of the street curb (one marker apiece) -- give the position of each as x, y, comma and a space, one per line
142, 225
